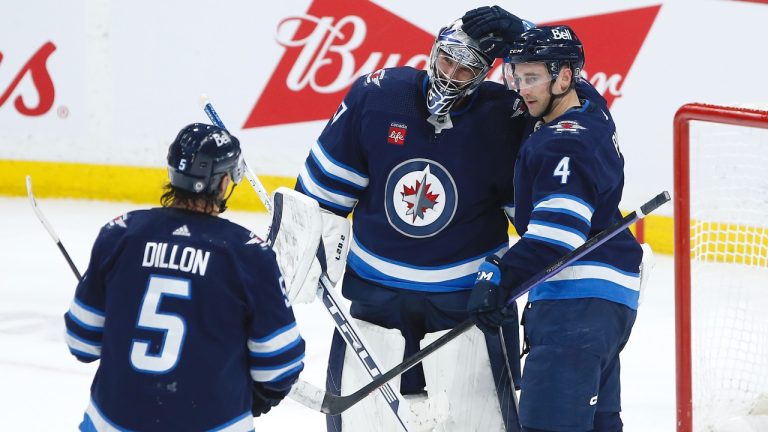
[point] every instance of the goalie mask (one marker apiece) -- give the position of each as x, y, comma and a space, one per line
200, 156
457, 67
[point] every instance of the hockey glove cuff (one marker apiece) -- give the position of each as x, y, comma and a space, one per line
264, 399
488, 299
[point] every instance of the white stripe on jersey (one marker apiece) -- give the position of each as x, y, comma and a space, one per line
413, 274
334, 168
267, 374
78, 344
566, 204
552, 234
595, 270
275, 341
84, 316
315, 188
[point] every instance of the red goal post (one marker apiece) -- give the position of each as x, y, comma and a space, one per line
742, 117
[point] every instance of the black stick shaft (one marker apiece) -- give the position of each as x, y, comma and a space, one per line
334, 405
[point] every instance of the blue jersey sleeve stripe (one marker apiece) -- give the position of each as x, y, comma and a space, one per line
100, 421
615, 269
314, 187
82, 324
567, 246
263, 350
338, 169
90, 318
321, 200
333, 176
286, 374
565, 212
80, 345
271, 373
566, 202
557, 232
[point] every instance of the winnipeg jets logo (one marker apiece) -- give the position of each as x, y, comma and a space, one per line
569, 126
375, 77
420, 198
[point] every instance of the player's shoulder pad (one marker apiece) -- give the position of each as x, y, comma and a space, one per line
121, 222
503, 98
388, 79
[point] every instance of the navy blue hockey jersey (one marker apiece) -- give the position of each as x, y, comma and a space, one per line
184, 309
569, 179
428, 207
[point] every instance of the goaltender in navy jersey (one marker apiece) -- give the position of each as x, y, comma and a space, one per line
568, 183
428, 207
169, 293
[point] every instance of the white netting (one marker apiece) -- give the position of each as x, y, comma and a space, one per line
729, 273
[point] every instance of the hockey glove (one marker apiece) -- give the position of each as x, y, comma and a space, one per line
488, 298
494, 29
264, 399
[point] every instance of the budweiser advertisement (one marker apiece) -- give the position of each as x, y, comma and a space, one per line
335, 42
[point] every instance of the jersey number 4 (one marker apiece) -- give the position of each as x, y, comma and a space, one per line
562, 170
172, 326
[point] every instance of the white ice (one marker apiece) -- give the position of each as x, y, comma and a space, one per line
43, 388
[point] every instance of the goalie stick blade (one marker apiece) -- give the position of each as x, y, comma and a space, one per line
334, 405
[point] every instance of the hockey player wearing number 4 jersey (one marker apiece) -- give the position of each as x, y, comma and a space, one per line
568, 184
184, 310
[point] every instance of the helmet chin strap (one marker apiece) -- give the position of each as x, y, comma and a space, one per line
553, 97
223, 202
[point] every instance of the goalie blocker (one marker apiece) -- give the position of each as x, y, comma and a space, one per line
308, 241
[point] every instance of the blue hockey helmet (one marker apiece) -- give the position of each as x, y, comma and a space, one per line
555, 46
467, 68
200, 156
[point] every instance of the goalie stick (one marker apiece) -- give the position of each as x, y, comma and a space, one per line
333, 405
346, 327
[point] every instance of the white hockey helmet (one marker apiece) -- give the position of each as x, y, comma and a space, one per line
457, 66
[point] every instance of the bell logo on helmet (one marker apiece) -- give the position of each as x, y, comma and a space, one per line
337, 41
221, 139
558, 33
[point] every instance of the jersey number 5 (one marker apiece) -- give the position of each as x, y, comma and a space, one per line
172, 326
562, 170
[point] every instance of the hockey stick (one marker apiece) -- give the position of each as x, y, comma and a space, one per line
346, 327
49, 228
333, 405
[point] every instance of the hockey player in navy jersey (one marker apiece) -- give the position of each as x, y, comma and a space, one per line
185, 310
424, 159
568, 184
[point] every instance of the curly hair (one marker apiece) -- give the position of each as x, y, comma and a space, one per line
175, 197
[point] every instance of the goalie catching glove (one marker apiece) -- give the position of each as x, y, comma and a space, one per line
308, 241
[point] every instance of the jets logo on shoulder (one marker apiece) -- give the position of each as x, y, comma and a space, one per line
375, 77
569, 126
118, 221
420, 198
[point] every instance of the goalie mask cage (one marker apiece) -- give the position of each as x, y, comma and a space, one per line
721, 263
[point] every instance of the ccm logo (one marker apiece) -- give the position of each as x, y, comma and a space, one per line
484, 275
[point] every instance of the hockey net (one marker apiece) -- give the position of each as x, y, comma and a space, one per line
721, 262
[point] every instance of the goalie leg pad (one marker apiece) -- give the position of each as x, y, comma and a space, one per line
372, 413
461, 371
646, 266
295, 236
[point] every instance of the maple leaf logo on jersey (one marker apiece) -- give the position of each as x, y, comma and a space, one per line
570, 126
337, 41
419, 199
